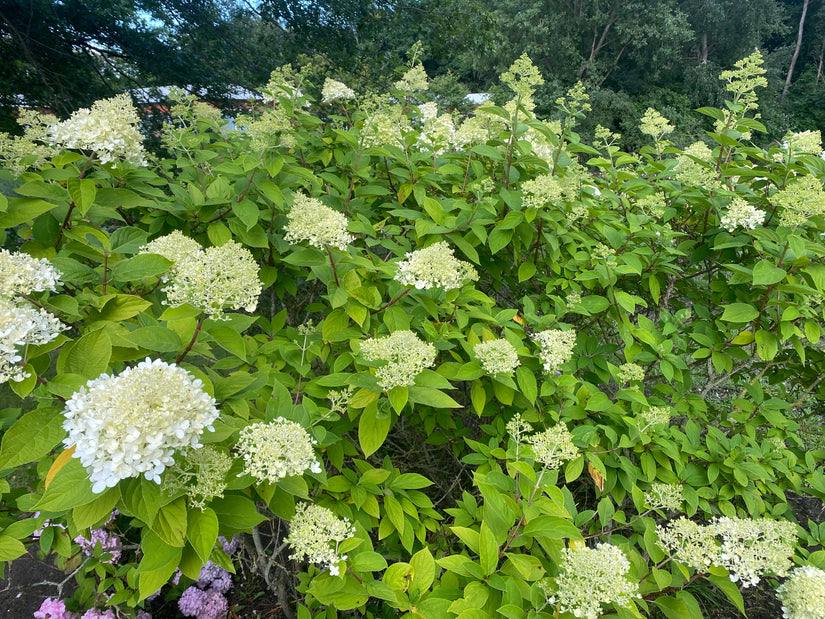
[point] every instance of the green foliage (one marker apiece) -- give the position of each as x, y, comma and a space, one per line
458, 507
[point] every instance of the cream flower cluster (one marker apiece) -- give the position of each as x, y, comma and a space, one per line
215, 279
434, 267
809, 142
803, 594
591, 577
32, 149
21, 326
272, 451
131, 424
664, 496
312, 533
555, 347
437, 132
799, 201
406, 356
654, 124
688, 171
740, 214
334, 90
21, 274
109, 129
541, 191
553, 447
747, 548
175, 247
655, 415
200, 473
497, 356
318, 225
384, 128
629, 372
414, 80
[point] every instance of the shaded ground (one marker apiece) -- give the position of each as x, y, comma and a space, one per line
28, 581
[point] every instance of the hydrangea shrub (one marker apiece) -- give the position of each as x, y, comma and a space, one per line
448, 367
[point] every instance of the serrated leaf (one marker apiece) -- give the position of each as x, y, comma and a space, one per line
372, 429
202, 531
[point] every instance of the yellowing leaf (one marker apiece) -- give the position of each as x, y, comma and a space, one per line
596, 476
59, 463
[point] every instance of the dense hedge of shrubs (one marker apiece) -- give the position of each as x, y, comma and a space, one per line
418, 363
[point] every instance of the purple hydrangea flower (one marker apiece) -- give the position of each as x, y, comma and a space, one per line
203, 604
230, 547
214, 577
93, 613
53, 609
108, 543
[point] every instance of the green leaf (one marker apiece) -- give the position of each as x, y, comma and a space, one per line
90, 355
236, 513
432, 397
765, 273
10, 548
90, 514
729, 589
739, 312
69, 488
488, 550
158, 563
247, 211
478, 396
368, 561
527, 383
372, 429
423, 566
202, 531
171, 522
31, 437
398, 398
499, 239
140, 266
228, 339
158, 339
552, 527
82, 191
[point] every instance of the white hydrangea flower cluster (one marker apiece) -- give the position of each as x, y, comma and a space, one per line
629, 372
406, 356
747, 548
517, 427
334, 90
497, 356
801, 199
655, 415
21, 274
809, 142
319, 225
654, 124
109, 128
740, 214
21, 326
175, 247
553, 447
688, 171
803, 594
312, 533
200, 473
215, 279
131, 424
437, 132
272, 451
271, 129
591, 577
555, 347
385, 128
32, 149
541, 191
434, 267
665, 496
414, 80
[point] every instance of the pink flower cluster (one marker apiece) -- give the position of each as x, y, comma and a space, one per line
53, 609
109, 543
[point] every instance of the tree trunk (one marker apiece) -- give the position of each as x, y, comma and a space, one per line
795, 51
703, 51
819, 66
